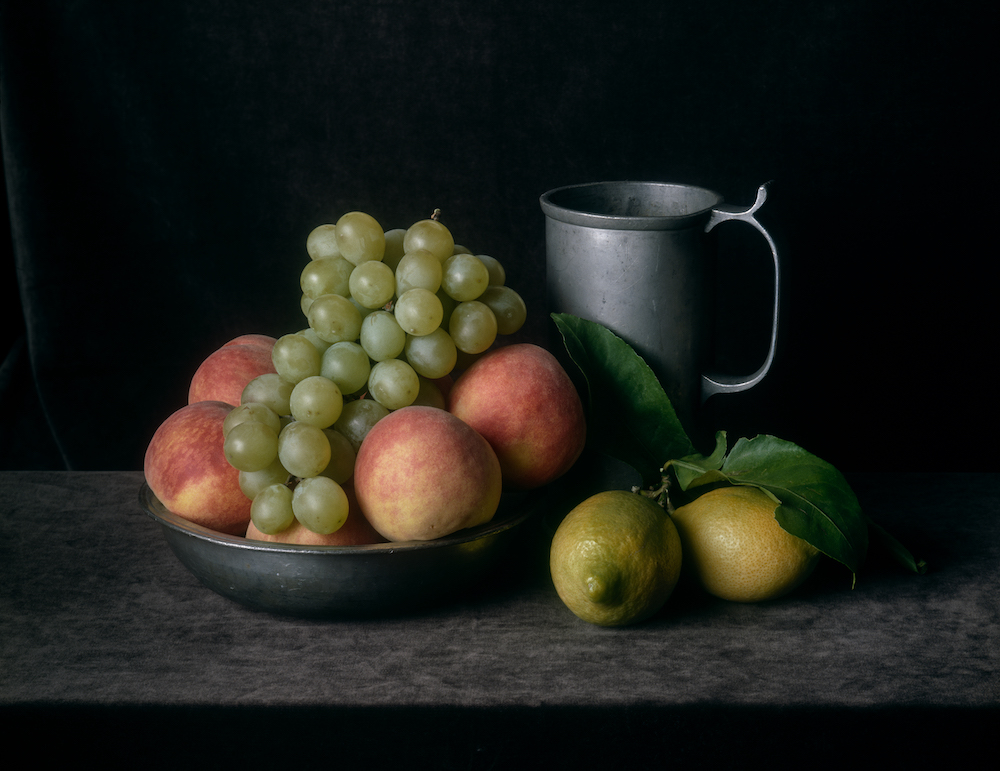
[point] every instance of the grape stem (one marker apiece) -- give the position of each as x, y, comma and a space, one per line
436, 216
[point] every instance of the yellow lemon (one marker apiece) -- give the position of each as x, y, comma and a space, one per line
736, 548
615, 558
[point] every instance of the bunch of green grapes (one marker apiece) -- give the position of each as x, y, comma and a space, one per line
389, 313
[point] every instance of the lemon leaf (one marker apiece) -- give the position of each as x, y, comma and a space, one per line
900, 553
629, 416
696, 470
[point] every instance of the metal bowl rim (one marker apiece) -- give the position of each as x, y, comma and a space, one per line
159, 513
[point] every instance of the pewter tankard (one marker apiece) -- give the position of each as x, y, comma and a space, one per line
638, 257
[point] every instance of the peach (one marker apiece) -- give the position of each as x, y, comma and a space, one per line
223, 375
187, 470
522, 401
421, 473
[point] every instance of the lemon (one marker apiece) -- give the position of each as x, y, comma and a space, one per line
736, 548
615, 558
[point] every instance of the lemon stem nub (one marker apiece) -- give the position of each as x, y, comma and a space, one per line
600, 590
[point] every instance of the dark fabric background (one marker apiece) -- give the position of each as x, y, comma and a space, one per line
164, 162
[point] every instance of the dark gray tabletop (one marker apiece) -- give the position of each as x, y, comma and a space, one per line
102, 628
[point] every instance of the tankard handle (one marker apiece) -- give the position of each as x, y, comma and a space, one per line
717, 384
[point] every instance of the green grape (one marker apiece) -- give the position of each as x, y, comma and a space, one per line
347, 365
464, 277
334, 318
320, 504
418, 269
472, 326
393, 247
357, 420
461, 250
250, 446
317, 401
362, 310
271, 510
330, 275
372, 284
303, 449
320, 344
447, 307
381, 337
393, 384
360, 237
430, 235
342, 457
304, 302
270, 389
255, 411
508, 307
432, 355
418, 311
498, 276
322, 242
252, 482
295, 358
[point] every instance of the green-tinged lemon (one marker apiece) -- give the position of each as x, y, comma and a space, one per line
736, 548
615, 558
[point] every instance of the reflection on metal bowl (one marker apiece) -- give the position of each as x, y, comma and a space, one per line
339, 581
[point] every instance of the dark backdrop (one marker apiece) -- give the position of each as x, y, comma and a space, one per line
164, 162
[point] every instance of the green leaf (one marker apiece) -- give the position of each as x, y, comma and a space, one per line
696, 470
814, 500
900, 553
629, 416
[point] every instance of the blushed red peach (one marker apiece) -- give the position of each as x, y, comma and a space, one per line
224, 374
522, 401
187, 470
421, 473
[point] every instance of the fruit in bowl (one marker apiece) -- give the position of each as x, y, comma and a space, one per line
223, 375
421, 473
187, 470
522, 401
306, 402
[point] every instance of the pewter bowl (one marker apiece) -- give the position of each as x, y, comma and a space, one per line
340, 581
